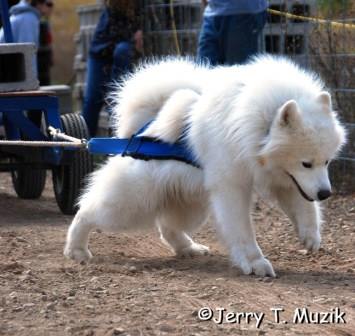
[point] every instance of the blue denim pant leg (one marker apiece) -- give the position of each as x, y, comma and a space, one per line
240, 35
100, 75
97, 79
122, 60
209, 43
230, 39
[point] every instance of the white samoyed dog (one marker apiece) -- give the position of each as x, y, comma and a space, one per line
266, 126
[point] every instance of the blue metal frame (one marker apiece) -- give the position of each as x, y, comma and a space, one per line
16, 122
13, 108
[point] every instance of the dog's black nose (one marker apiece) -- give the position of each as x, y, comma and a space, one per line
324, 194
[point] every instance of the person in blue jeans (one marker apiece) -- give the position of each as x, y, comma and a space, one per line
230, 30
116, 43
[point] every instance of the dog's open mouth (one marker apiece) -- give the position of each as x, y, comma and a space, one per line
305, 196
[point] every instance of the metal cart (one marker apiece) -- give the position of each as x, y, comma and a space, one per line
29, 146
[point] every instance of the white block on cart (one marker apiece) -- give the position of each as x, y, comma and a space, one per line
17, 72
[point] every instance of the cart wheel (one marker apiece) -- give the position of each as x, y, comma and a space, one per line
68, 180
28, 182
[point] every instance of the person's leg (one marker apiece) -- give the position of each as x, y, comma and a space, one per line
44, 67
122, 60
209, 41
121, 65
241, 36
96, 82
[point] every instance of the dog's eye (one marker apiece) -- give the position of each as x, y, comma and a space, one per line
307, 164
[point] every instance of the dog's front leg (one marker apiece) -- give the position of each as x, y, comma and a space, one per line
305, 215
231, 204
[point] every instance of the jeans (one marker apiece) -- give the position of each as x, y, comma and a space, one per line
100, 75
230, 39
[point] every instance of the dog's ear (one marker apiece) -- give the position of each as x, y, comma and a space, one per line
288, 114
325, 99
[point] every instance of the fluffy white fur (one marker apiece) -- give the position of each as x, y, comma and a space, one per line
265, 126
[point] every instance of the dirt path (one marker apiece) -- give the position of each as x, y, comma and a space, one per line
134, 286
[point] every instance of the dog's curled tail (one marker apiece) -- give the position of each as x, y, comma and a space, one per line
143, 94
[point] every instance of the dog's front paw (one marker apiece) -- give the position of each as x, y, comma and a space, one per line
80, 255
262, 267
259, 266
193, 250
311, 240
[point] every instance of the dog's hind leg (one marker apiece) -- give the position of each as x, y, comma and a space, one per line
174, 225
181, 243
120, 197
76, 247
114, 217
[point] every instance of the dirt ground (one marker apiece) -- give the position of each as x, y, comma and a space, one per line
135, 286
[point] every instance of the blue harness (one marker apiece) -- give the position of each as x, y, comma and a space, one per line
144, 148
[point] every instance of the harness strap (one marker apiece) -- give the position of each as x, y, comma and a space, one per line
143, 148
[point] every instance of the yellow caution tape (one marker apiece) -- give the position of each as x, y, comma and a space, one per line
312, 19
173, 26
